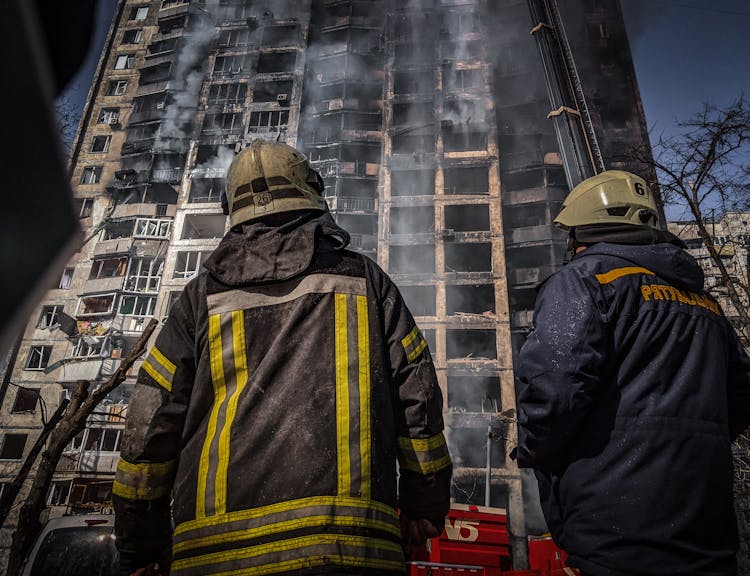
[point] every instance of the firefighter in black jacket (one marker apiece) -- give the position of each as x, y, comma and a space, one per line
286, 382
632, 386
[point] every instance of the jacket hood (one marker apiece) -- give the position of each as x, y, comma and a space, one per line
667, 260
256, 252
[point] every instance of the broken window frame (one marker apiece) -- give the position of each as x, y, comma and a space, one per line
38, 357
109, 116
193, 260
229, 122
81, 306
144, 275
66, 278
143, 306
100, 144
48, 316
124, 62
117, 87
108, 267
215, 189
227, 93
90, 347
91, 175
152, 228
193, 226
231, 64
138, 13
235, 37
133, 36
83, 207
58, 493
262, 121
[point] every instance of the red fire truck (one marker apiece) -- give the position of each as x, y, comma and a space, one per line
476, 542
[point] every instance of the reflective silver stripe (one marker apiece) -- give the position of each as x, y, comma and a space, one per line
277, 519
270, 295
144, 481
297, 553
423, 455
160, 368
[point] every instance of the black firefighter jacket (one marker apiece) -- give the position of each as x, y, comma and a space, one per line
285, 384
632, 385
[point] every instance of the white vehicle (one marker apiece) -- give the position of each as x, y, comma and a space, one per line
75, 546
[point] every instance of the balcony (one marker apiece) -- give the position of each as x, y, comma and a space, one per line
532, 234
359, 168
114, 246
352, 205
169, 175
364, 242
95, 285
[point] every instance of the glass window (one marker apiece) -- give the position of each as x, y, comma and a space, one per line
109, 116
144, 275
49, 316
139, 12
38, 358
96, 305
91, 175
100, 143
132, 36
117, 87
66, 278
83, 207
73, 551
189, 263
137, 305
125, 62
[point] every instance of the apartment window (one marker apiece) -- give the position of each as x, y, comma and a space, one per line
109, 116
467, 217
268, 121
38, 358
100, 143
58, 493
137, 305
132, 36
91, 175
26, 399
228, 65
117, 87
238, 37
96, 305
173, 297
144, 275
280, 92
223, 122
227, 93
122, 228
198, 226
125, 62
49, 316
152, 228
89, 347
276, 62
66, 278
138, 13
103, 439
189, 263
13, 445
83, 207
108, 267
206, 190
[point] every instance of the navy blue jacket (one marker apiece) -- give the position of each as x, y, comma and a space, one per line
632, 386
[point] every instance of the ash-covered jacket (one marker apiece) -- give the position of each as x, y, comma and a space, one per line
632, 386
286, 383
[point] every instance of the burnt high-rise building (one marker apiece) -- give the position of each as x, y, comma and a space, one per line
432, 123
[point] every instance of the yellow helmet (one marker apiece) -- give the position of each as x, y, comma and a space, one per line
612, 197
269, 178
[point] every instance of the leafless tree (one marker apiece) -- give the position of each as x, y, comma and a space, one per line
705, 169
68, 421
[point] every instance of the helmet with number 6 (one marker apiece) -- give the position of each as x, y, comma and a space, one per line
270, 178
612, 197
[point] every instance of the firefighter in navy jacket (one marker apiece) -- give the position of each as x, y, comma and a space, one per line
632, 386
287, 381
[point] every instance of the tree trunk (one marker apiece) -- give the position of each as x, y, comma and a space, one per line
71, 423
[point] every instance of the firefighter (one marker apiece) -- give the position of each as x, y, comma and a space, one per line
287, 382
632, 387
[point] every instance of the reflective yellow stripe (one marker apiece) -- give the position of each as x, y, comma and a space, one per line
156, 468
425, 468
217, 378
422, 444
409, 338
363, 333
139, 492
414, 354
287, 506
151, 371
313, 561
286, 526
613, 275
240, 363
342, 395
163, 360
283, 546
